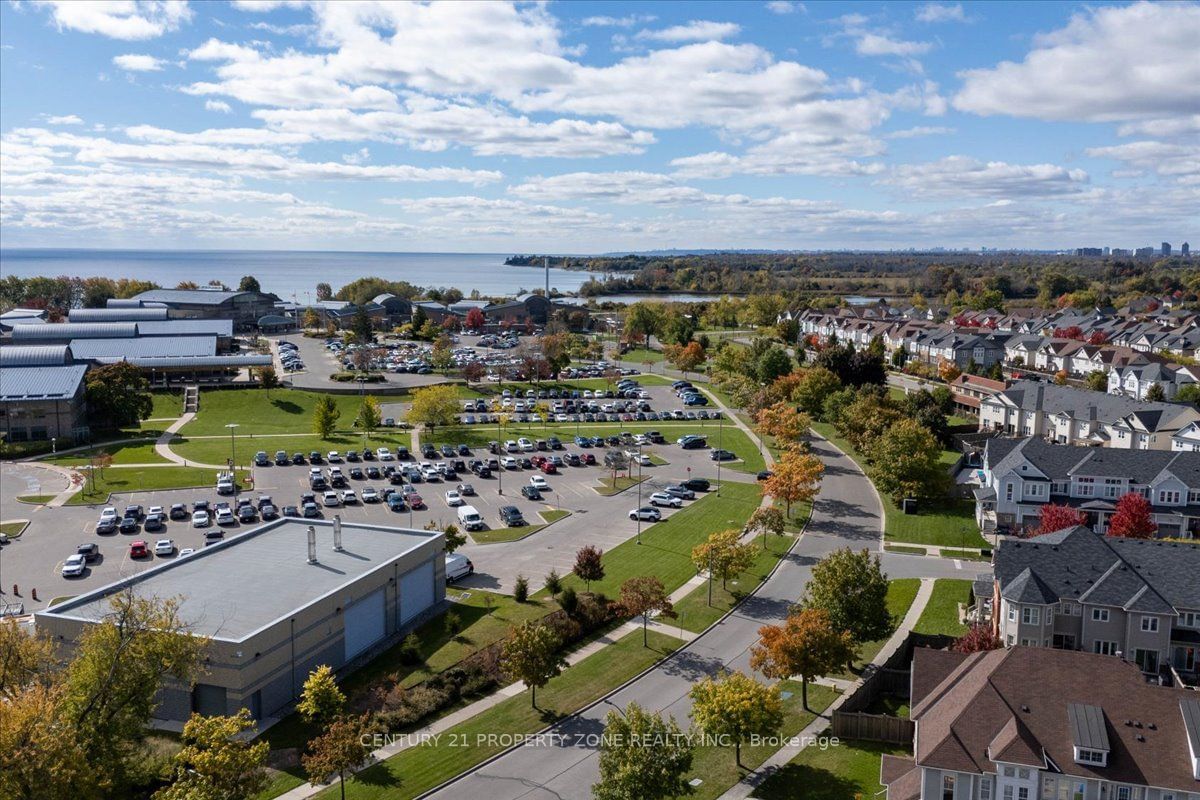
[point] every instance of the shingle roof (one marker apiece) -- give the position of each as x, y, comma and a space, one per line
1078, 403
35, 355
40, 383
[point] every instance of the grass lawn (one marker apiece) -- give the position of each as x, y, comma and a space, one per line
851, 769
514, 534
36, 499
968, 555
666, 548
901, 594
419, 769
122, 453
905, 549
640, 355
261, 412
142, 480
888, 704
13, 529
941, 614
715, 765
167, 404
216, 451
610, 485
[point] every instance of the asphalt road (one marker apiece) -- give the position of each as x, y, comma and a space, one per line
564, 766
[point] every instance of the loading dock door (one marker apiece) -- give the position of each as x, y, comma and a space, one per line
209, 700
364, 623
416, 591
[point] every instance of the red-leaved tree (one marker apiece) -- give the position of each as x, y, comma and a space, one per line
1056, 518
1069, 332
1134, 518
978, 638
1098, 337
475, 319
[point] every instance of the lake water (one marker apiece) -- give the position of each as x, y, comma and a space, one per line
292, 274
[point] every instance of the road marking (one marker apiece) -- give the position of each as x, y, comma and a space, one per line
957, 564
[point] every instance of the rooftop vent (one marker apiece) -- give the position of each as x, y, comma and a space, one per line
312, 545
337, 533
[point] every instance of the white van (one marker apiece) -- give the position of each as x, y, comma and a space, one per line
469, 518
225, 483
458, 567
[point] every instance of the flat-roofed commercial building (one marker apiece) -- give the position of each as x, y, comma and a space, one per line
42, 402
278, 601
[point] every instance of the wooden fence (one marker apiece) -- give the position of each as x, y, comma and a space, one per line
873, 727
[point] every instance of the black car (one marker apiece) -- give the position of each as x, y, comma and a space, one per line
291, 511
555, 443
429, 451
315, 458
247, 513
512, 516
695, 444
696, 484
128, 525
200, 505
261, 460
373, 473
764, 475
402, 453
154, 522
352, 456
458, 465
396, 478
89, 550
493, 447
572, 459
134, 511
179, 511
525, 463
281, 459
448, 451
531, 493
368, 454
107, 525
721, 455
464, 450
297, 458
356, 473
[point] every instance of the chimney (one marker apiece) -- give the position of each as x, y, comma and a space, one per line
312, 545
337, 533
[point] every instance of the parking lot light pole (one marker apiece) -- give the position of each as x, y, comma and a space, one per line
720, 444
639, 500
499, 446
233, 426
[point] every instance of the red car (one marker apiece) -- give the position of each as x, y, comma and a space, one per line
588, 458
139, 550
548, 468
538, 461
415, 500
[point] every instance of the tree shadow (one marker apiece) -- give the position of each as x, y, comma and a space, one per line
287, 406
796, 781
377, 775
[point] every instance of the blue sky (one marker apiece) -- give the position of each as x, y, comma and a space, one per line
586, 127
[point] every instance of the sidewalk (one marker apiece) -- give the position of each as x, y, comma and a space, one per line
752, 780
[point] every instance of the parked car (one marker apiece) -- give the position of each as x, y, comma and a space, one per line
268, 511
458, 566
512, 516
200, 519
681, 492
281, 458
646, 513
722, 455
74, 566
466, 490
106, 525
261, 460
164, 547
225, 516
247, 514
89, 550
154, 522
696, 484
139, 550
539, 482
531, 493
311, 509
395, 502
128, 525
664, 499
178, 511
384, 454
187, 551
370, 494
349, 498
331, 499
454, 498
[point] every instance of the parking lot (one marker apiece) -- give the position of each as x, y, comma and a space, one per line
320, 364
35, 560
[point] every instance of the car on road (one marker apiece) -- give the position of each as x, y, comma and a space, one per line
290, 511
764, 475
139, 550
74, 566
512, 517
531, 493
664, 499
384, 454
458, 566
164, 547
106, 525
200, 519
646, 513
466, 490
454, 498
370, 494
722, 455
187, 551
538, 482
89, 550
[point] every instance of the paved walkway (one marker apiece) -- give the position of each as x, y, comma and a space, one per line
752, 780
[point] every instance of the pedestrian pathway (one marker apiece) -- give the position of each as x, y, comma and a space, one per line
752, 780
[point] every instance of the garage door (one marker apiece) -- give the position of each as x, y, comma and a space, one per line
416, 591
364, 623
209, 700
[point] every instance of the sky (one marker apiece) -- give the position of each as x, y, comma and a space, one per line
588, 127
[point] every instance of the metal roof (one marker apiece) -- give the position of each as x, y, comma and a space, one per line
116, 314
230, 362
186, 327
201, 297
143, 347
66, 331
40, 383
35, 355
124, 302
1087, 727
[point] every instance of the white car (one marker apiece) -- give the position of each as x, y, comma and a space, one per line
644, 460
164, 547
664, 499
187, 551
74, 566
453, 498
538, 482
156, 510
648, 513
384, 454
509, 462
369, 495
430, 473
526, 445
109, 512
331, 499
200, 519
511, 446
349, 498
225, 516
641, 438
334, 457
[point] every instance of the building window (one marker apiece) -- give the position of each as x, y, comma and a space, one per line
985, 788
1012, 613
1099, 615
1008, 491
1035, 490
1031, 616
1008, 792
1085, 486
1150, 624
1168, 496
1189, 619
1084, 756
1101, 647
947, 787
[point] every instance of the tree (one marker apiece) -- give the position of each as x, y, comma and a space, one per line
769, 520
434, 405
1097, 380
361, 327
556, 348
117, 395
589, 565
23, 658
531, 655
311, 319
979, 638
338, 750
644, 596
906, 462
215, 763
1053, 517
419, 318
1188, 393
249, 283
1133, 519
473, 371
796, 478
325, 416
927, 409
723, 555
687, 357
320, 699
642, 319
772, 364
475, 319
268, 378
441, 356
948, 371
642, 757
736, 707
816, 385
1156, 393
370, 415
454, 538
806, 644
851, 588
324, 291
782, 421
39, 758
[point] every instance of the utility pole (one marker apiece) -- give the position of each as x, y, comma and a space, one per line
233, 460
639, 500
720, 440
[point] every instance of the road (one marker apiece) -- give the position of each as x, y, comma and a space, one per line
845, 514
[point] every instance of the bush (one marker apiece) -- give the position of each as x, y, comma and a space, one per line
367, 377
452, 623
553, 582
568, 601
410, 650
521, 589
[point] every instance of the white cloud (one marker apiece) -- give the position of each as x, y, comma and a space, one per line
697, 30
132, 62
941, 12
784, 6
961, 176
1108, 64
617, 22
920, 130
1172, 160
873, 44
1163, 128
119, 19
66, 119
220, 106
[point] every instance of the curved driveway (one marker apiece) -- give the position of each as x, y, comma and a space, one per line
845, 514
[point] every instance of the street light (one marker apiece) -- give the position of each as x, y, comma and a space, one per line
639, 500
232, 426
499, 445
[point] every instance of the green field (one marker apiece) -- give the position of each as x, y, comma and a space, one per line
842, 772
640, 355
122, 453
141, 480
259, 412
167, 404
515, 534
419, 769
941, 613
666, 547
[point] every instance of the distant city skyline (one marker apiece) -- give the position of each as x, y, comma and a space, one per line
600, 127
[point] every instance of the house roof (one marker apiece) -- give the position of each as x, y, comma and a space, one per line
987, 708
40, 383
1086, 404
1087, 726
186, 327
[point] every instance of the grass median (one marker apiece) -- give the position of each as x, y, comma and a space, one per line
520, 532
421, 768
122, 453
849, 769
148, 479
941, 613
